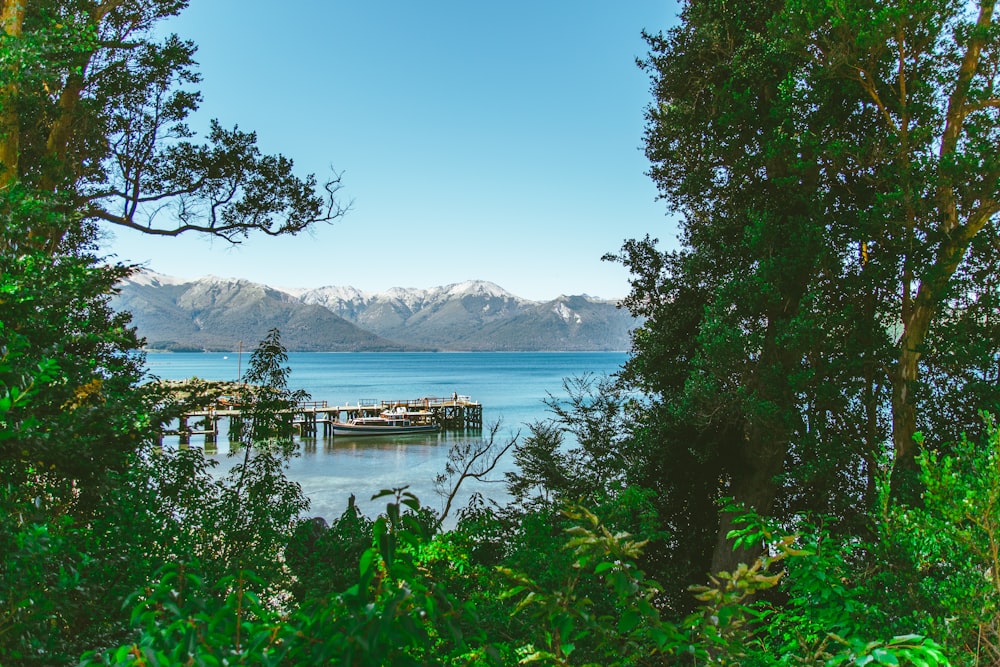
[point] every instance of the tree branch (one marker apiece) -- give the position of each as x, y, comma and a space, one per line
475, 460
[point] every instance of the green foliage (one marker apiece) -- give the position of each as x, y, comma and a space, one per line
392, 614
85, 422
565, 622
72, 419
184, 621
17, 389
82, 533
95, 102
325, 560
570, 592
38, 583
962, 376
829, 608
834, 170
396, 615
946, 548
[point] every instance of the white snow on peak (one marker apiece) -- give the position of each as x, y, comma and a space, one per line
567, 314
217, 280
146, 277
402, 293
331, 293
410, 297
296, 292
476, 287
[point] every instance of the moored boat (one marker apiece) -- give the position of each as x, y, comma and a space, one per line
387, 424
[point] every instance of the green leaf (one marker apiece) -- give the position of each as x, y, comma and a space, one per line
629, 620
884, 657
603, 567
392, 511
387, 547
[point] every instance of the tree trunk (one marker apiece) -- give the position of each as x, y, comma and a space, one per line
904, 382
10, 131
930, 293
917, 317
754, 485
58, 168
755, 490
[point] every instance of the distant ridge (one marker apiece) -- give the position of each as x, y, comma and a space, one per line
216, 314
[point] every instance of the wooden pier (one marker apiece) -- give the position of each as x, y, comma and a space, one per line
315, 418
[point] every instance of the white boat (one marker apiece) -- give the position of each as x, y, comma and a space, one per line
387, 424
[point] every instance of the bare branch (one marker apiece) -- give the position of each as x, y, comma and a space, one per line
470, 459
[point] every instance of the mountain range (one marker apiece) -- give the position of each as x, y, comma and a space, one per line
218, 314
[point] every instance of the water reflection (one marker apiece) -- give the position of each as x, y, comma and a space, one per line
331, 469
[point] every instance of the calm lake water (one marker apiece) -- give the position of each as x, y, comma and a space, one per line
512, 387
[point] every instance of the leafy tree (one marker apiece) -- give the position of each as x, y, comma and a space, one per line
929, 74
83, 425
93, 109
734, 149
93, 114
64, 451
820, 255
596, 466
92, 508
259, 506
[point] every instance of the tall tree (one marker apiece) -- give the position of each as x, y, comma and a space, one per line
929, 72
93, 109
734, 150
811, 241
92, 128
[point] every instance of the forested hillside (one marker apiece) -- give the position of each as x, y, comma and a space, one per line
798, 465
217, 314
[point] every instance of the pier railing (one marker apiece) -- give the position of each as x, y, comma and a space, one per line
314, 417
429, 402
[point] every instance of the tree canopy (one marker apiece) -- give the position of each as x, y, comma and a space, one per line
93, 112
834, 168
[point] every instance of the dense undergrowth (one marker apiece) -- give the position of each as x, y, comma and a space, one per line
177, 566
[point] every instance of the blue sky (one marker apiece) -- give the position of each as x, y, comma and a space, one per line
496, 141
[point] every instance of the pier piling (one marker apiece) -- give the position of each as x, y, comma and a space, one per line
453, 413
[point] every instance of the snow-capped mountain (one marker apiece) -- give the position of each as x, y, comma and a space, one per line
218, 313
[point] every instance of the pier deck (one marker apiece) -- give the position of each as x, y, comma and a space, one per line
311, 418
